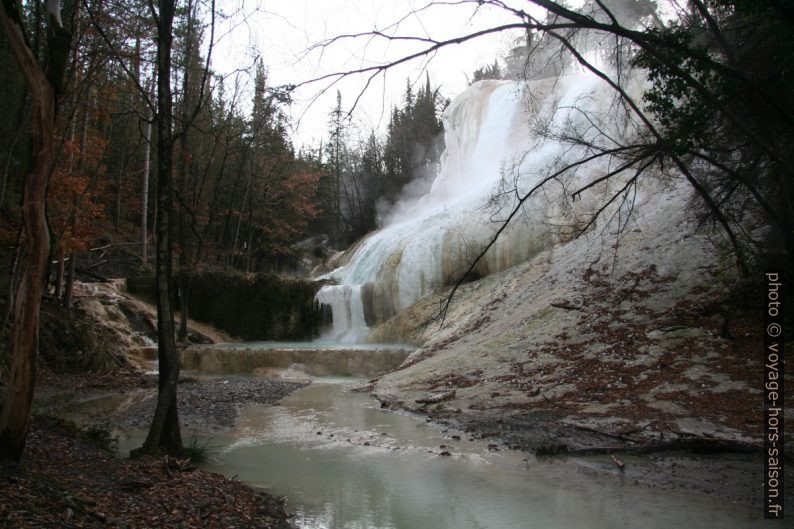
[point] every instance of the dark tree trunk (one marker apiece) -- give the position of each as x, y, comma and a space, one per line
15, 417
183, 306
164, 433
117, 209
12, 283
145, 188
67, 295
59, 275
184, 168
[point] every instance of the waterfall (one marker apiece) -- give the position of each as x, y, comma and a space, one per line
347, 309
492, 146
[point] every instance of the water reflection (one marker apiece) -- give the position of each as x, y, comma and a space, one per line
344, 463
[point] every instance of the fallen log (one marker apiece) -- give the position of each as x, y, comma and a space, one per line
85, 272
439, 397
566, 305
618, 436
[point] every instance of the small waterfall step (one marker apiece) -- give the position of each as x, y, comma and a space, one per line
314, 359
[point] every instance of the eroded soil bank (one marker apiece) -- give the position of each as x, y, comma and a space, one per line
67, 481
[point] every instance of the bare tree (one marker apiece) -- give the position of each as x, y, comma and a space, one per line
164, 432
145, 183
44, 87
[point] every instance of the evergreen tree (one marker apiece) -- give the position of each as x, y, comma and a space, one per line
414, 141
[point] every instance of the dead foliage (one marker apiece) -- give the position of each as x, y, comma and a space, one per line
68, 482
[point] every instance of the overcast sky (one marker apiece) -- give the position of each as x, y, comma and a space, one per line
283, 31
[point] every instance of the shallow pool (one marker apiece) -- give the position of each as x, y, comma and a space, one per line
342, 462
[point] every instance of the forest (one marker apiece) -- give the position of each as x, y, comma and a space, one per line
129, 159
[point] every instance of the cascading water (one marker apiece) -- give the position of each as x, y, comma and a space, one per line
498, 141
348, 324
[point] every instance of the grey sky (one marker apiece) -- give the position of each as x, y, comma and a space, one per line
282, 31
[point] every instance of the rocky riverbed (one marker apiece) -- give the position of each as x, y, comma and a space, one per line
206, 404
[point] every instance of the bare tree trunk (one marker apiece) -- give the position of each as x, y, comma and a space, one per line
117, 212
59, 275
184, 169
145, 184
154, 209
67, 295
182, 231
240, 219
250, 238
11, 150
12, 283
15, 417
164, 433
184, 263
183, 306
183, 268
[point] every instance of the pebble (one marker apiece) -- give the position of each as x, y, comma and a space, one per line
210, 405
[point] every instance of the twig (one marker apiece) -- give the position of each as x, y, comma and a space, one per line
619, 437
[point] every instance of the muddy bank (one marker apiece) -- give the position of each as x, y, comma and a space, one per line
674, 401
730, 471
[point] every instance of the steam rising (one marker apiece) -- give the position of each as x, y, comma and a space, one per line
502, 138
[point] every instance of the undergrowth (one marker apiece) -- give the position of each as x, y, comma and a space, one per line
200, 451
100, 436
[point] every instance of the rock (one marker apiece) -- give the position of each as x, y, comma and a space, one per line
439, 397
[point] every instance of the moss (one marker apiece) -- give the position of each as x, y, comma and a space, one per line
539, 318
142, 285
249, 306
256, 307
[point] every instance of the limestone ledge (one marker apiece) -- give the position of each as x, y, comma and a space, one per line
336, 361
